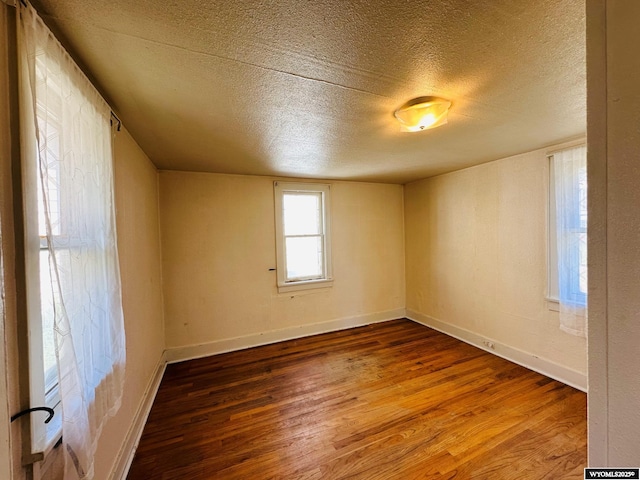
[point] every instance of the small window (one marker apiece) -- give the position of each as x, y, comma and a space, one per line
568, 227
302, 235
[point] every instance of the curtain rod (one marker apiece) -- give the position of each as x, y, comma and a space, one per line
579, 142
113, 115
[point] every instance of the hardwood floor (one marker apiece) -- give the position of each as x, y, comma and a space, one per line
394, 400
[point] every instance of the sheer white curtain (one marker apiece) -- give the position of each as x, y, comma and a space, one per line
70, 144
570, 175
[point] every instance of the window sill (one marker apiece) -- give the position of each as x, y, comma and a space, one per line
51, 434
553, 304
304, 285
52, 456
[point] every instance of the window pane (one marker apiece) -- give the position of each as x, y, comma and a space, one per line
46, 306
302, 213
570, 180
304, 257
52, 179
582, 255
582, 196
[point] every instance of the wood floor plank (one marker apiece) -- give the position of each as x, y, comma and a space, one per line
393, 400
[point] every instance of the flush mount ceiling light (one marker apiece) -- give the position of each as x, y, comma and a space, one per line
423, 113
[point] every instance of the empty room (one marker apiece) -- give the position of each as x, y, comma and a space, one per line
319, 240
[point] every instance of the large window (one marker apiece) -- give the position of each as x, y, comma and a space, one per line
302, 235
76, 327
568, 237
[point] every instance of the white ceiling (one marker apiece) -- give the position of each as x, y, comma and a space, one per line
308, 88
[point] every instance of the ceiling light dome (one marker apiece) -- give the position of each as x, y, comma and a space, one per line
423, 113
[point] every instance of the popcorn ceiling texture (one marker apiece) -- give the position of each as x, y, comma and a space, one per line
308, 89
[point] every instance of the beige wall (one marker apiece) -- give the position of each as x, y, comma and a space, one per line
613, 113
476, 243
218, 243
136, 191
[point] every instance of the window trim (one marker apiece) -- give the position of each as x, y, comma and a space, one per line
553, 295
284, 285
43, 436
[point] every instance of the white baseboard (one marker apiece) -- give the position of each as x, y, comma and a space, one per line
130, 445
525, 359
179, 354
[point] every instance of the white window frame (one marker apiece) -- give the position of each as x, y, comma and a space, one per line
42, 390
553, 301
326, 280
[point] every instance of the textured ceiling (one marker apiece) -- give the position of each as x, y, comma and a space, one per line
308, 89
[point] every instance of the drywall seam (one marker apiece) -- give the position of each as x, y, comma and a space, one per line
532, 362
180, 354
